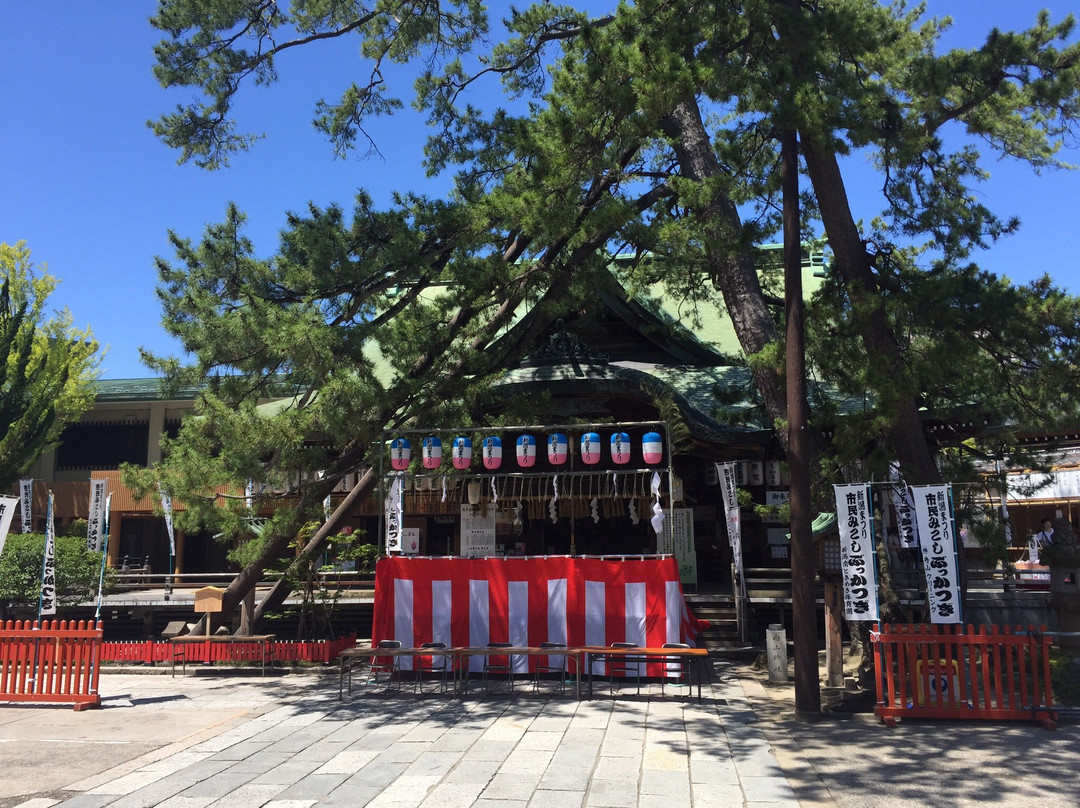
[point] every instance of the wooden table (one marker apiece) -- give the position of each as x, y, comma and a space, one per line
350, 656
690, 657
180, 646
572, 652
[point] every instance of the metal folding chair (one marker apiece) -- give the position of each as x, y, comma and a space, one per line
506, 668
384, 664
434, 664
559, 670
625, 665
679, 665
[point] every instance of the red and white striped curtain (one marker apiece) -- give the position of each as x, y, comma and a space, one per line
527, 601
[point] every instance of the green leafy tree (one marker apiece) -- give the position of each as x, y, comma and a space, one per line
77, 571
651, 129
47, 366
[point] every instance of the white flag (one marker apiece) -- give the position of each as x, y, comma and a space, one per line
858, 558
47, 599
7, 513
937, 538
95, 523
26, 493
166, 506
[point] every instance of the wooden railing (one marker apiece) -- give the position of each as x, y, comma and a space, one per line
945, 671
158, 651
50, 662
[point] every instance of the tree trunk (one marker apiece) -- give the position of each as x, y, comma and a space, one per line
733, 272
852, 263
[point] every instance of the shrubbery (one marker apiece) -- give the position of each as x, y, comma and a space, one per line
77, 571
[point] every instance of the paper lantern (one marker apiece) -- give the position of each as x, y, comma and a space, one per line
462, 452
526, 451
620, 448
400, 453
652, 447
558, 448
590, 448
431, 452
491, 449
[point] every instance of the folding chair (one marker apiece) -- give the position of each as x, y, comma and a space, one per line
434, 664
625, 665
506, 668
678, 665
384, 664
559, 670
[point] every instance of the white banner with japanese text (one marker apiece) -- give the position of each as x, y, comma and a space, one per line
26, 496
902, 507
934, 516
729, 491
47, 599
858, 559
7, 513
95, 523
394, 510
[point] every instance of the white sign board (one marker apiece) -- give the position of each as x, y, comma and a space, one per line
410, 540
477, 533
676, 537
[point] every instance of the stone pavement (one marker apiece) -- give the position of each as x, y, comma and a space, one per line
286, 741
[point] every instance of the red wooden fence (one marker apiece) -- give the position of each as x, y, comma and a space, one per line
945, 671
153, 651
52, 661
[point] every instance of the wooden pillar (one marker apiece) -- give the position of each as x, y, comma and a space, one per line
247, 613
834, 647
114, 540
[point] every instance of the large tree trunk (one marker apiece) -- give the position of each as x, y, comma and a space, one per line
280, 590
733, 272
852, 263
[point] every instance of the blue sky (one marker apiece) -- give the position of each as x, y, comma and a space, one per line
93, 193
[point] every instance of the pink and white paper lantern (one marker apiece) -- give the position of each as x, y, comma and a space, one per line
558, 448
491, 450
431, 452
590, 448
400, 454
526, 451
620, 448
652, 447
462, 452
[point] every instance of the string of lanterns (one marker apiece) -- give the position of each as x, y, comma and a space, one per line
491, 450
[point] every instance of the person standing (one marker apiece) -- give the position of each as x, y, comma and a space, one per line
1041, 539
